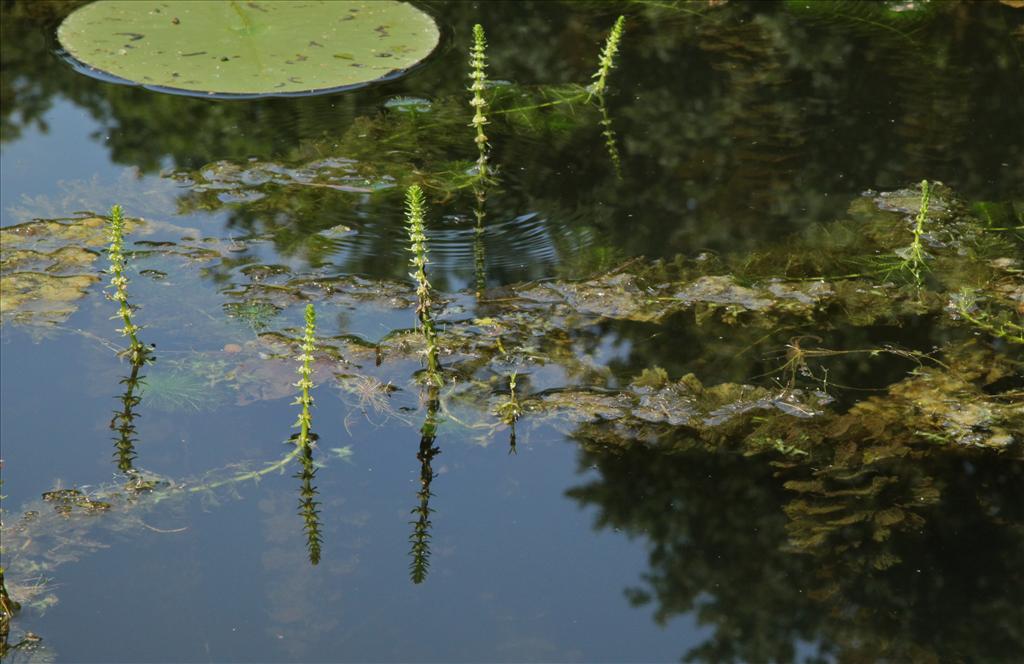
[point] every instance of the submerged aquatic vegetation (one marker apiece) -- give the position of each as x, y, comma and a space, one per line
415, 210
510, 410
258, 314
420, 539
479, 250
942, 407
914, 261
371, 395
136, 350
478, 74
57, 528
181, 386
607, 59
698, 305
846, 500
966, 304
305, 383
308, 505
910, 263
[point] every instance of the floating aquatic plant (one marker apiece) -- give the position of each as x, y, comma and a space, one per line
305, 383
420, 552
136, 350
607, 59
909, 262
510, 410
371, 396
914, 259
478, 74
180, 387
966, 305
415, 209
308, 505
245, 48
256, 313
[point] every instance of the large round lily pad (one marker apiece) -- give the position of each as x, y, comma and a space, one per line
268, 47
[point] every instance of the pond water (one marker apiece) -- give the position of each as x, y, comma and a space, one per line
748, 421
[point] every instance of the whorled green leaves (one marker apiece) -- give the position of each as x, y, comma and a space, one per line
249, 48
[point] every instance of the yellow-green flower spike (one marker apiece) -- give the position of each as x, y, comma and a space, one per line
607, 59
478, 76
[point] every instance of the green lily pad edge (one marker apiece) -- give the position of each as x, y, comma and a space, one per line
245, 49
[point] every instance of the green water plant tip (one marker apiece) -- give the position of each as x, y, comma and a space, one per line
478, 76
510, 410
305, 384
915, 256
607, 59
136, 351
965, 305
415, 208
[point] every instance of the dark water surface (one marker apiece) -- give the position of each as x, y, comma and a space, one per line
793, 519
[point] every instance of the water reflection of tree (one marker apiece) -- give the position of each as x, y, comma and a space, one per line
915, 559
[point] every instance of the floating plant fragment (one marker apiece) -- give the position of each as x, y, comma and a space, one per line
285, 47
180, 390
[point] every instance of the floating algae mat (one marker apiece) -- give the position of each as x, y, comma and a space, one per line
248, 48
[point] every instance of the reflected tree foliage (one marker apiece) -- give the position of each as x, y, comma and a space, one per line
863, 536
